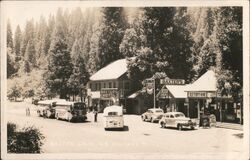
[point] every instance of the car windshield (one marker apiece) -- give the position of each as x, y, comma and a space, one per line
179, 115
112, 113
78, 106
158, 111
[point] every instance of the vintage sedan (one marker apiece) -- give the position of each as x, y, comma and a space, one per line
176, 119
152, 115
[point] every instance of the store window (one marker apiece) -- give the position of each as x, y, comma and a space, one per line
96, 85
110, 85
114, 84
104, 85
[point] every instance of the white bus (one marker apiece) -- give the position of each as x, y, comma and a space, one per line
46, 108
70, 111
113, 117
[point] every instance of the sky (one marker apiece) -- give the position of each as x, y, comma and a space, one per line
18, 12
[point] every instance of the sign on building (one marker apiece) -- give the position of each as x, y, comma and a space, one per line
167, 81
109, 93
197, 94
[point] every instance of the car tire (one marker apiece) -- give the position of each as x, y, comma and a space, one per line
192, 128
38, 114
57, 117
179, 127
143, 118
162, 125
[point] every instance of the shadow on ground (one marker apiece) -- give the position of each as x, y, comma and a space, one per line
125, 128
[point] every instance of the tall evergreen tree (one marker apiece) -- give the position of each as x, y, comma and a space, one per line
17, 43
114, 26
9, 36
30, 53
29, 33
79, 76
60, 66
165, 44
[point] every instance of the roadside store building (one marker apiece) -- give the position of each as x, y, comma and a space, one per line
200, 97
109, 85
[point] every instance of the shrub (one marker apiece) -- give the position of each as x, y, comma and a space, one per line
25, 140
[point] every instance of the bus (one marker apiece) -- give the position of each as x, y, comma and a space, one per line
70, 111
113, 117
46, 108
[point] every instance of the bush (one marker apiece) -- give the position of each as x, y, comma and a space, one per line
26, 140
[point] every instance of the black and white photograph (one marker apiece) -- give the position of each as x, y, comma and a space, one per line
125, 80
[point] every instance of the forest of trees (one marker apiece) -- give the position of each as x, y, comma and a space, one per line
59, 53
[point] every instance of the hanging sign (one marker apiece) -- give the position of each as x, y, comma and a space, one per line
167, 81
149, 86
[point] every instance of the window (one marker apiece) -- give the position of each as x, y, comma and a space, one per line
171, 116
96, 85
90, 86
99, 84
112, 113
110, 85
104, 85
114, 84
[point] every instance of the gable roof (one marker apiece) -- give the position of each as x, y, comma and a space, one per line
178, 91
207, 82
112, 71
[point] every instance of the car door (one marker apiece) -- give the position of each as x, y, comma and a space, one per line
171, 120
167, 120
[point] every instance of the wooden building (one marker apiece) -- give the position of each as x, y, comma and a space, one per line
109, 85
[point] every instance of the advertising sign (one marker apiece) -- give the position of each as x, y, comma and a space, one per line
109, 93
172, 81
197, 94
149, 85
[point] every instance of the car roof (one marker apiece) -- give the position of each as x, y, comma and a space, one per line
174, 113
154, 109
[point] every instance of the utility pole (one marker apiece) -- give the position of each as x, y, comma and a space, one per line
154, 92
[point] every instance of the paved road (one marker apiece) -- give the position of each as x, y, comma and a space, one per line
138, 136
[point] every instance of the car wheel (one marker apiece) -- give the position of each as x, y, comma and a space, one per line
38, 114
152, 120
162, 125
143, 118
57, 117
179, 126
192, 128
48, 114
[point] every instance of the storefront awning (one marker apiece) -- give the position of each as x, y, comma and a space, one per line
134, 95
95, 94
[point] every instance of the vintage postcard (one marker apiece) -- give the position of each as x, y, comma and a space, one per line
125, 79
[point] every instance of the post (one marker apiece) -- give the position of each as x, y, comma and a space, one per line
154, 92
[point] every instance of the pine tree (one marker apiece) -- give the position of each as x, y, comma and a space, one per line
79, 76
59, 67
112, 34
9, 36
29, 33
30, 54
17, 43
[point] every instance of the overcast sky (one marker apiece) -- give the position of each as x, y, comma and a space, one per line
19, 12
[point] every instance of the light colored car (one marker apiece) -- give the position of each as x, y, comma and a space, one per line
152, 115
176, 119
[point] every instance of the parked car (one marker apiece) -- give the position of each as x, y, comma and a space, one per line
152, 115
176, 119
